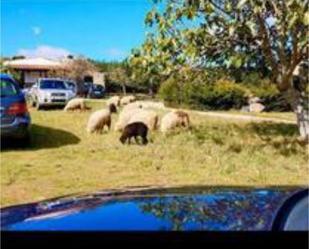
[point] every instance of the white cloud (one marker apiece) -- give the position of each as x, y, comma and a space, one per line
44, 51
115, 52
36, 30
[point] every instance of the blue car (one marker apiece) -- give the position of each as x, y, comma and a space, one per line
196, 208
15, 118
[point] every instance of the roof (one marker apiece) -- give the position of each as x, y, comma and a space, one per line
34, 63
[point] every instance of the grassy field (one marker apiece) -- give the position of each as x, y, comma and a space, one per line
289, 116
64, 159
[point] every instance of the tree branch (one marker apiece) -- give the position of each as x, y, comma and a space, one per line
266, 47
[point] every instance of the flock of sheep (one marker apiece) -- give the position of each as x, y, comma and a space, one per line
134, 120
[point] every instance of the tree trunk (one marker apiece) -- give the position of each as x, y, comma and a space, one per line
124, 90
301, 109
302, 117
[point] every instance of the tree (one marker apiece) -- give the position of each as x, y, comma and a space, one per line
77, 69
242, 34
119, 75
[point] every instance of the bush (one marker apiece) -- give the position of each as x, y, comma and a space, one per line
221, 95
271, 98
224, 95
206, 91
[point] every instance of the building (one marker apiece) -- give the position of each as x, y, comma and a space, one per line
31, 69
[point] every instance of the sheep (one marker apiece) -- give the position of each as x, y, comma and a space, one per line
113, 100
133, 105
148, 117
127, 99
174, 119
124, 118
185, 118
99, 119
137, 129
76, 104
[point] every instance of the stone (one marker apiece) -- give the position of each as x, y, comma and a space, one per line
256, 107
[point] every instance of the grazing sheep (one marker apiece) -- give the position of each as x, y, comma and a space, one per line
113, 100
127, 100
101, 118
148, 117
134, 105
174, 119
124, 118
185, 118
76, 104
137, 129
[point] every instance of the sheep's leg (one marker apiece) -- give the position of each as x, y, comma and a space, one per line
145, 141
109, 124
129, 140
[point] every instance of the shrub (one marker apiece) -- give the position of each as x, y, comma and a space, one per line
206, 91
221, 95
272, 99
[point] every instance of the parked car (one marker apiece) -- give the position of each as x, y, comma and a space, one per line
15, 118
83, 89
96, 91
72, 86
154, 209
50, 92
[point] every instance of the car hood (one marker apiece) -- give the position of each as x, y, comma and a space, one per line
151, 208
56, 90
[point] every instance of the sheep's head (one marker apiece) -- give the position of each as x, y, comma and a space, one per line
112, 108
122, 139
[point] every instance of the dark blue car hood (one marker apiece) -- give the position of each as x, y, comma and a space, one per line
194, 208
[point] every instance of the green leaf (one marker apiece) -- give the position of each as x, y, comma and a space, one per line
306, 18
149, 18
235, 61
241, 3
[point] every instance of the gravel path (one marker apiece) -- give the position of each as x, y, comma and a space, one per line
160, 105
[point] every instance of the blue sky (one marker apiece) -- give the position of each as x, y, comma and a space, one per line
99, 29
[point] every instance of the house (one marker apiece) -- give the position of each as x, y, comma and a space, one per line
31, 69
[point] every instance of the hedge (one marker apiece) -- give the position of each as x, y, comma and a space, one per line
223, 94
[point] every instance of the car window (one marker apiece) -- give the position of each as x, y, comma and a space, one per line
8, 88
98, 87
71, 85
52, 84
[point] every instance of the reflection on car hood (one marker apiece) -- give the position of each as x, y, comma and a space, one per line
190, 208
55, 90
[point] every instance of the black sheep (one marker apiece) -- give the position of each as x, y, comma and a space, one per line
137, 129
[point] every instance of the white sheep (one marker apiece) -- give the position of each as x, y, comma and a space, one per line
134, 105
124, 118
174, 119
113, 100
76, 104
127, 99
99, 119
148, 117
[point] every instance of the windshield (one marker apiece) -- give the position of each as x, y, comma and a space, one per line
98, 87
8, 88
70, 84
52, 84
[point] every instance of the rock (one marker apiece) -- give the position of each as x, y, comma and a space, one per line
256, 107
254, 100
245, 108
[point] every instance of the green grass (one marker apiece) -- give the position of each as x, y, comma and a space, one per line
64, 159
290, 116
